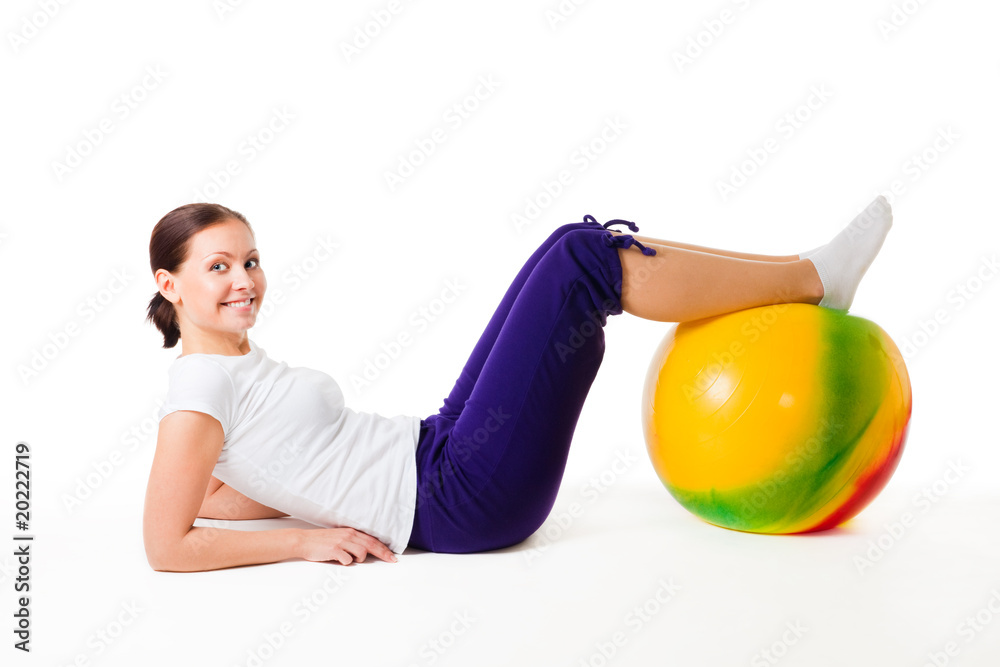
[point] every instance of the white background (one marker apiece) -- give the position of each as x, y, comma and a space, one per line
79, 235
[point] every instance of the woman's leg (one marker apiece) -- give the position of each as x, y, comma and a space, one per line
677, 285
452, 405
488, 478
455, 401
648, 240
681, 284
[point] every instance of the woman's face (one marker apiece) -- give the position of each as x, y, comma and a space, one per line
220, 286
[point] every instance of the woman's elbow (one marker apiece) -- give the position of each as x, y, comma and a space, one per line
162, 554
158, 555
158, 561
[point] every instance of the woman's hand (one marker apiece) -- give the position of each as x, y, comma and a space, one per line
344, 545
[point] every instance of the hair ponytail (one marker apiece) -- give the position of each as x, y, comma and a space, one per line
168, 249
161, 313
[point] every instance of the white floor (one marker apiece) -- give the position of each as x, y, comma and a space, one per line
631, 580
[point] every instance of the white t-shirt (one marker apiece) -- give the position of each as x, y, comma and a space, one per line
291, 444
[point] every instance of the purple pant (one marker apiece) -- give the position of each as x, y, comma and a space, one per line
490, 463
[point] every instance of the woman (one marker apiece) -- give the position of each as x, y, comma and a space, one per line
244, 437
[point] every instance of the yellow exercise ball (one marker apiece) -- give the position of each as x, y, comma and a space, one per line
781, 419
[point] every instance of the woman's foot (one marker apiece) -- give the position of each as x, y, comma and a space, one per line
841, 263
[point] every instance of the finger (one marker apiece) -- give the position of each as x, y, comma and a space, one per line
377, 548
342, 556
356, 549
381, 551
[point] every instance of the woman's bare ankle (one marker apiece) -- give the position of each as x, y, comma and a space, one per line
812, 286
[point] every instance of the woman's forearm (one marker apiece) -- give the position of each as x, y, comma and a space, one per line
209, 548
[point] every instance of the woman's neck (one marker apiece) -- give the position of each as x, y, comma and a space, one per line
228, 347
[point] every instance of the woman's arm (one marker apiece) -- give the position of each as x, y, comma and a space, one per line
187, 449
225, 502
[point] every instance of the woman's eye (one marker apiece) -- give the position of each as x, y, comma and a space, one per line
251, 263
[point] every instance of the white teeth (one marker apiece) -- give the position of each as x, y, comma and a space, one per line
238, 304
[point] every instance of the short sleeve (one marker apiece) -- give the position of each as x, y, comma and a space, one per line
200, 385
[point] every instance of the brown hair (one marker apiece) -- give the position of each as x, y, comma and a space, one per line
168, 249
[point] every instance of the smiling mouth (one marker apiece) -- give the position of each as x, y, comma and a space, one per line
239, 304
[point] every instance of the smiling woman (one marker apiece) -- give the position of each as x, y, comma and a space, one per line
204, 233
242, 436
236, 424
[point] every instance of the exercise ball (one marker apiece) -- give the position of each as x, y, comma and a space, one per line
788, 418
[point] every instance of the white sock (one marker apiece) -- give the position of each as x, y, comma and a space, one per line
842, 262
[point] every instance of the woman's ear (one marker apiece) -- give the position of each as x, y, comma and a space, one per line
165, 283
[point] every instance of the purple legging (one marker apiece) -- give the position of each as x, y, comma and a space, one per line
490, 463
